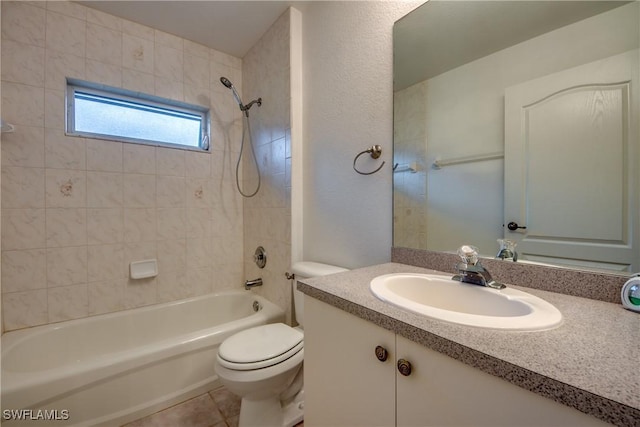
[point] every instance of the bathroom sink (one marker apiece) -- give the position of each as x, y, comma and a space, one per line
440, 297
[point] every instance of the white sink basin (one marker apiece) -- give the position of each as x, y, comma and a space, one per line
439, 297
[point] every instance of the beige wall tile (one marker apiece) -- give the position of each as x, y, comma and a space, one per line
171, 223
23, 147
138, 81
168, 40
106, 296
104, 156
170, 161
138, 53
104, 44
140, 159
170, 192
199, 222
97, 17
139, 224
66, 227
105, 226
22, 187
24, 270
139, 191
138, 293
104, 190
172, 255
22, 63
66, 266
22, 104
168, 62
54, 102
105, 262
23, 228
73, 9
23, 23
173, 285
59, 66
196, 49
24, 309
68, 302
101, 72
65, 33
64, 152
66, 188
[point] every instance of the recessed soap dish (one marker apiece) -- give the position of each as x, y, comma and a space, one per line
143, 269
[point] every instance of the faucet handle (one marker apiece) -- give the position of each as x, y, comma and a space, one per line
468, 254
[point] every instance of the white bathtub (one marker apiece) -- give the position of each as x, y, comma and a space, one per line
109, 369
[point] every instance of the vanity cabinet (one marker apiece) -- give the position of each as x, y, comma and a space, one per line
347, 385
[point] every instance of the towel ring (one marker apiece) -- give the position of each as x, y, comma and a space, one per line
376, 152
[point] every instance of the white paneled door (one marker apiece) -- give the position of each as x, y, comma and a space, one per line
572, 165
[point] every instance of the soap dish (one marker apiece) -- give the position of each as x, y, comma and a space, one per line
143, 269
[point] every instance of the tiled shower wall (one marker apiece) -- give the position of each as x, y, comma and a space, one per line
409, 187
77, 211
267, 216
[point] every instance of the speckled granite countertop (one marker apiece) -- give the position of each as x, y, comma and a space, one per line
590, 362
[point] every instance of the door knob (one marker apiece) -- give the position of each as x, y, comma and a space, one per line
381, 353
513, 226
404, 367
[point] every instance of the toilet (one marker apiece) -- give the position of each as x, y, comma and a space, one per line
263, 365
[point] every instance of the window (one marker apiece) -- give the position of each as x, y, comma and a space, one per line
104, 112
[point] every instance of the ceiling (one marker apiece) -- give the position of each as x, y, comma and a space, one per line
232, 27
441, 35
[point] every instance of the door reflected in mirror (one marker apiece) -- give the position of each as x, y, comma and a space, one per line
521, 112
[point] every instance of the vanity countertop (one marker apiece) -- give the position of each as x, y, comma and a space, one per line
589, 362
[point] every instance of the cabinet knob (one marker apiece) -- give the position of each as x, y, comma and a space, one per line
404, 367
381, 353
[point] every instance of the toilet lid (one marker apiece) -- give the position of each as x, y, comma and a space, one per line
263, 345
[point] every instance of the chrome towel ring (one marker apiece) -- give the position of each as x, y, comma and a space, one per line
376, 152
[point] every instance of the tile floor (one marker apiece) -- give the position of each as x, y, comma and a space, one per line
217, 408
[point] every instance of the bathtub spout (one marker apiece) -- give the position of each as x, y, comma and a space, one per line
253, 283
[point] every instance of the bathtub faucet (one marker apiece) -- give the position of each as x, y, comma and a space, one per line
253, 283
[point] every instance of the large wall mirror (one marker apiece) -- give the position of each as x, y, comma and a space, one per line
518, 120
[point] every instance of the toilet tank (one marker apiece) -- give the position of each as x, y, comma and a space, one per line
308, 269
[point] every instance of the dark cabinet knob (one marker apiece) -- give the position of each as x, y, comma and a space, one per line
381, 353
404, 367
513, 226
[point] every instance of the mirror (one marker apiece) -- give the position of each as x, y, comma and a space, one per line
520, 113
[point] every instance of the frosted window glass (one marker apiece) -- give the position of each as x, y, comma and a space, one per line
117, 114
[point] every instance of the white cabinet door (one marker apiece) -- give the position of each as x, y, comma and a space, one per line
345, 384
571, 165
442, 391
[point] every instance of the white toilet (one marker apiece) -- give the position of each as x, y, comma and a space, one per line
263, 365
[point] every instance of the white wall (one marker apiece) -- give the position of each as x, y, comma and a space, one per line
348, 107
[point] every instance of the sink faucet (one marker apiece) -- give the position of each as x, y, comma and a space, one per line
470, 270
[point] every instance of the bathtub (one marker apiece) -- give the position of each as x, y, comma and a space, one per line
110, 369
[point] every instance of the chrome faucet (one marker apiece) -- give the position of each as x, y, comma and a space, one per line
470, 270
253, 283
507, 250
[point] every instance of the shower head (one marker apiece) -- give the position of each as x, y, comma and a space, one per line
225, 81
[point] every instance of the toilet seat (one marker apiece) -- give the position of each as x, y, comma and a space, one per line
260, 347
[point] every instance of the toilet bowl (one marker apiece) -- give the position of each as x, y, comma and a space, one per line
264, 365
